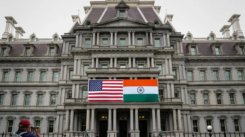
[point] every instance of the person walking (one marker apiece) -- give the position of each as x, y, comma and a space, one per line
25, 130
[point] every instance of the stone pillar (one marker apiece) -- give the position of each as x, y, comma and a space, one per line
115, 63
147, 38
136, 120
109, 119
174, 119
181, 47
163, 70
75, 67
189, 123
168, 91
134, 62
87, 119
148, 62
115, 38
77, 91
111, 38
73, 90
177, 47
92, 120
71, 120
180, 73
129, 38
179, 120
64, 48
97, 62
98, 38
182, 95
79, 67
92, 64
57, 123
170, 66
133, 37
80, 40
158, 120
67, 46
186, 96
172, 89
65, 72
111, 62
94, 35
151, 38
153, 120
183, 68
131, 120
164, 40
152, 62
168, 40
61, 72
63, 96
67, 120
114, 119
129, 62
77, 40
166, 66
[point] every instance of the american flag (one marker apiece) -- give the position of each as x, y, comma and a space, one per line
105, 91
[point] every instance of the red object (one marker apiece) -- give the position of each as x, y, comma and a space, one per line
24, 123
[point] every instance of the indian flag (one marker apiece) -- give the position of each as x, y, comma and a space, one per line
140, 90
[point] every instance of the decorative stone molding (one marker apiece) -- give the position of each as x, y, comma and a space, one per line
15, 92
231, 91
31, 46
37, 118
218, 91
8, 48
217, 44
10, 118
222, 117
215, 68
192, 91
53, 92
43, 69
3, 92
227, 68
41, 92
188, 35
31, 69
28, 92
208, 117
24, 117
236, 117
33, 37
205, 91
193, 45
18, 69
54, 37
202, 69
238, 45
51, 118
211, 35
52, 45
195, 117
243, 91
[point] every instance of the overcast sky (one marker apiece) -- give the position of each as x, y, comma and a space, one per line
46, 17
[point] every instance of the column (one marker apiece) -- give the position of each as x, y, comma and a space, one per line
133, 38
114, 119
61, 72
129, 38
151, 38
134, 62
94, 34
87, 119
61, 121
65, 72
179, 120
77, 37
111, 62
77, 91
163, 70
170, 66
181, 47
82, 73
129, 62
80, 40
153, 119
67, 120
177, 46
131, 119
136, 120
115, 63
174, 119
147, 38
111, 38
71, 120
168, 91
75, 67
186, 96
97, 62
64, 47
148, 62
73, 90
98, 38
109, 119
182, 95
166, 66
79, 67
180, 72
158, 119
172, 89
92, 120
168, 40
164, 40
115, 38
152, 62
57, 123
67, 46
63, 96
92, 65
189, 123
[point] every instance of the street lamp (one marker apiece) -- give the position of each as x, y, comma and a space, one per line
209, 130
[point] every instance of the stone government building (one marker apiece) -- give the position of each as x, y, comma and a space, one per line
201, 80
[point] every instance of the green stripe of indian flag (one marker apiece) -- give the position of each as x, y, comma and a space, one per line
130, 94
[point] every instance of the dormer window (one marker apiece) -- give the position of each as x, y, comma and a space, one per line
10, 39
122, 13
56, 38
88, 24
51, 52
241, 50
188, 37
234, 37
211, 37
217, 50
156, 24
193, 50
28, 51
33, 38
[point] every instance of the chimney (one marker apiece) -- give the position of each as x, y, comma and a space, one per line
226, 31
234, 20
10, 27
76, 18
19, 33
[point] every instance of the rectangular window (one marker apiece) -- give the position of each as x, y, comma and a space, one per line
209, 122
51, 127
236, 124
10, 126
122, 41
1, 99
55, 76
40, 100
18, 76
193, 98
85, 68
218, 95
243, 98
5, 76
205, 97
104, 66
51, 51
14, 99
241, 50
157, 42
27, 100
195, 126
88, 43
139, 41
174, 74
53, 100
69, 95
122, 66
140, 66
163, 123
215, 75
240, 74
105, 42
4, 51
202, 75
72, 47
160, 68
37, 123
193, 51
232, 99
189, 75
43, 76
28, 51
172, 47
227, 75
122, 13
71, 74
30, 76
217, 51
222, 125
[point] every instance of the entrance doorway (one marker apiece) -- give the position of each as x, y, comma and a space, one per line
143, 128
103, 128
123, 128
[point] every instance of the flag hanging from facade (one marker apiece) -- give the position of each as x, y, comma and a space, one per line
123, 90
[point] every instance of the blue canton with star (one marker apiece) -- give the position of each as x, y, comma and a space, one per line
95, 85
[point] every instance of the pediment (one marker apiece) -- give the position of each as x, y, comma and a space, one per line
123, 23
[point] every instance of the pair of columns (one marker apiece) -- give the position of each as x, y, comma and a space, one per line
182, 72
69, 120
170, 90
156, 126
78, 67
63, 72
179, 47
166, 40
177, 119
75, 90
168, 66
65, 49
79, 40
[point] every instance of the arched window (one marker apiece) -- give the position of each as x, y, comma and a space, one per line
211, 37
10, 39
56, 38
188, 37
33, 38
234, 37
156, 24
88, 24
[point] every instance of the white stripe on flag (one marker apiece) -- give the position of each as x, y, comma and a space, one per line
107, 95
104, 82
112, 88
134, 90
105, 99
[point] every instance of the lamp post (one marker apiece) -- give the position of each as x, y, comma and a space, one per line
209, 130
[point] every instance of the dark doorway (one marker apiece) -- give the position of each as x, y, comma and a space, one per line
143, 128
103, 128
123, 128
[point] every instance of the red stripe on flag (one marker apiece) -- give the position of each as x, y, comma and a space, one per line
105, 93
112, 86
112, 83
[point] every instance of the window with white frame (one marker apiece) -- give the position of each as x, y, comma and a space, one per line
30, 76
1, 99
193, 50
56, 38
234, 37
70, 74
88, 43
227, 75
28, 51
105, 41
159, 68
10, 126
85, 68
215, 75
55, 76
37, 123
139, 41
33, 38
171, 46
50, 126
209, 122
193, 98
140, 65
189, 75
5, 76
241, 50
122, 13
4, 52
27, 99
195, 125
232, 98
14, 100
240, 74
236, 125
188, 37
202, 75
51, 51
122, 66
53, 99
18, 76
217, 50
222, 125
174, 73
69, 94
122, 41
43, 76
39, 99
218, 97
205, 98
211, 37
157, 42
72, 47
104, 66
